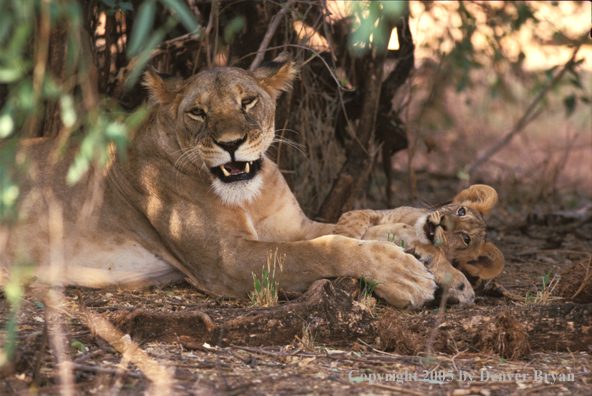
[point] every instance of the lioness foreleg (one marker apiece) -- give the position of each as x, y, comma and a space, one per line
402, 280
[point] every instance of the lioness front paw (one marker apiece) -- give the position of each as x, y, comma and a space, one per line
402, 280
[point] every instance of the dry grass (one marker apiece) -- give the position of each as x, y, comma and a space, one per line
307, 342
576, 282
266, 289
545, 295
367, 287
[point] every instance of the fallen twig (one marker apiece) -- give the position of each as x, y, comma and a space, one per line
398, 389
162, 380
586, 280
102, 370
58, 342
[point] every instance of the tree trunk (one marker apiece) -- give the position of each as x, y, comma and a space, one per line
377, 120
359, 161
52, 122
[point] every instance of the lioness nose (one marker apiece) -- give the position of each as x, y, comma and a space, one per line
231, 146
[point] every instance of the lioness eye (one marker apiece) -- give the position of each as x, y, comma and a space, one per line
196, 113
466, 238
461, 211
247, 103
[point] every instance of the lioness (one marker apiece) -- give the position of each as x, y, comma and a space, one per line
194, 196
454, 233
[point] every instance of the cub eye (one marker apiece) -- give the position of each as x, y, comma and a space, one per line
466, 238
461, 211
196, 113
248, 103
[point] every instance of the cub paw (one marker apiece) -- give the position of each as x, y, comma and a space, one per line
458, 288
424, 254
402, 280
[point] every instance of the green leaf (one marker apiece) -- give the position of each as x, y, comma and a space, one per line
117, 133
68, 113
371, 29
78, 345
463, 174
126, 6
109, 3
549, 72
39, 304
142, 27
576, 83
570, 104
9, 75
77, 169
234, 26
579, 62
183, 14
9, 194
6, 125
144, 57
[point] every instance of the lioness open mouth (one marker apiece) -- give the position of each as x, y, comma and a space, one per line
235, 171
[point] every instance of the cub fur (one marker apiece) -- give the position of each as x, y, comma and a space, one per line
451, 239
193, 196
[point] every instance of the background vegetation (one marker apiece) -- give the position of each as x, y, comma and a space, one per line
71, 69
494, 92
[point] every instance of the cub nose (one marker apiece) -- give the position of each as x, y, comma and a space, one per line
448, 223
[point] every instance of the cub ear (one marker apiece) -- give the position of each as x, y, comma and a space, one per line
277, 75
478, 197
162, 88
487, 265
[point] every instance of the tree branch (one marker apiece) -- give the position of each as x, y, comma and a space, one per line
269, 34
526, 118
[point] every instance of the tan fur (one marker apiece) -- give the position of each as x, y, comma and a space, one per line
160, 213
477, 259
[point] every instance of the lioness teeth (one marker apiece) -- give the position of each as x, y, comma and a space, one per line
247, 168
226, 173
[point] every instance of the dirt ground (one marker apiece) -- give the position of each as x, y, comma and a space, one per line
534, 245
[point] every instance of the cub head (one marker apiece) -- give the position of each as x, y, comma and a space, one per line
223, 120
460, 229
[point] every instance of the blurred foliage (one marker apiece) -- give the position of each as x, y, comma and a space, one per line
13, 292
476, 35
27, 87
370, 29
492, 35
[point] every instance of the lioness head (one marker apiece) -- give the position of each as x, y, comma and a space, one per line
461, 230
224, 119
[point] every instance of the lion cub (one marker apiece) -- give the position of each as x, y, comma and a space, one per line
449, 240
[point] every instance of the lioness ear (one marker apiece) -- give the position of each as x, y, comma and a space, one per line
277, 75
478, 197
487, 265
162, 87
